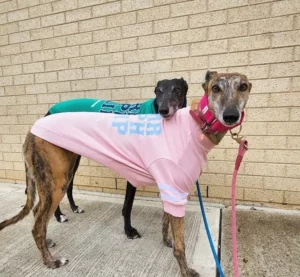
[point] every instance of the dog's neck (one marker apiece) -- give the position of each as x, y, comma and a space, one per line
215, 138
155, 105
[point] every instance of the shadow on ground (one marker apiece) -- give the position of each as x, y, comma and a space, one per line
268, 244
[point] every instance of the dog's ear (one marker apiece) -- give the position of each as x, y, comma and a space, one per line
156, 86
185, 85
250, 86
208, 76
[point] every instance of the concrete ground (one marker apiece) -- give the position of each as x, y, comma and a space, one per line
94, 241
268, 240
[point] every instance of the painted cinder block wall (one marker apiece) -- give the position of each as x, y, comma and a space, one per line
56, 50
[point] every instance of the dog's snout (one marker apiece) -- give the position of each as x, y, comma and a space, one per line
231, 116
164, 111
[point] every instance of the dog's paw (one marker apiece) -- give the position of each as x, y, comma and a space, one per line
168, 242
62, 218
132, 233
50, 243
63, 261
77, 210
192, 273
56, 263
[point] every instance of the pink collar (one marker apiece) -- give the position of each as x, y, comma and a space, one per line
207, 121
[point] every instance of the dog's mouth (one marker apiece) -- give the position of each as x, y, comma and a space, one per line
167, 113
166, 116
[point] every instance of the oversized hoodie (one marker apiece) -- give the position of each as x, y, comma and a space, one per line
145, 149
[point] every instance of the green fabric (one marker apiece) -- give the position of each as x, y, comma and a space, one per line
148, 107
103, 106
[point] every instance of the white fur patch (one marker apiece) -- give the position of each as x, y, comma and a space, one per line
171, 111
64, 261
63, 218
218, 114
79, 210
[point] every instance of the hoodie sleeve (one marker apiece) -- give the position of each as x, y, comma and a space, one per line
174, 185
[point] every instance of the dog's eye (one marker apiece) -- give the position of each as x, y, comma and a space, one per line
216, 88
243, 87
158, 91
176, 90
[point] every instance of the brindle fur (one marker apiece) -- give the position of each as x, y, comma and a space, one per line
49, 170
166, 230
230, 96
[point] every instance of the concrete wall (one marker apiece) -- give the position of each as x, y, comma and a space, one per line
56, 50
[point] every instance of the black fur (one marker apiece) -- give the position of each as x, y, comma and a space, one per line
170, 96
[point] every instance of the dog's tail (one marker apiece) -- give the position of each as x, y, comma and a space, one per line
28, 206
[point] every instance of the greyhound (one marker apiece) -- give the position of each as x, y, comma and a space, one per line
144, 149
170, 95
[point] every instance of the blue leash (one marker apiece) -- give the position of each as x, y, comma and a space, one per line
208, 231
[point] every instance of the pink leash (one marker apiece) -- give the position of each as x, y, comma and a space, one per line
208, 123
242, 150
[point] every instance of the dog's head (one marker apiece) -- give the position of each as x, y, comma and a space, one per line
228, 94
170, 96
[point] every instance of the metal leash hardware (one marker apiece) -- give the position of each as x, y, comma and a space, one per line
237, 137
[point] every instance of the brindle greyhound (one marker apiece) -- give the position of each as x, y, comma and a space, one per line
49, 168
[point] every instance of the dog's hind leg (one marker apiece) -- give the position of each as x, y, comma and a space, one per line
51, 167
166, 230
51, 193
177, 225
131, 232
35, 210
44, 210
39, 233
60, 217
73, 206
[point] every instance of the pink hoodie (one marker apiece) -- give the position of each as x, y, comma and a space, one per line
145, 149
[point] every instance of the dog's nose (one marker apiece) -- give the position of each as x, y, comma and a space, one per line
164, 112
231, 116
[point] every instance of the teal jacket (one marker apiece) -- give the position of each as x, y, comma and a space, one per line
102, 106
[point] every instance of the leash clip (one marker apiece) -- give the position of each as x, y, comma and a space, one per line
205, 126
237, 137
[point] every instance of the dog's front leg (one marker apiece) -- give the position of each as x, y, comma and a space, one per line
131, 232
166, 230
177, 225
